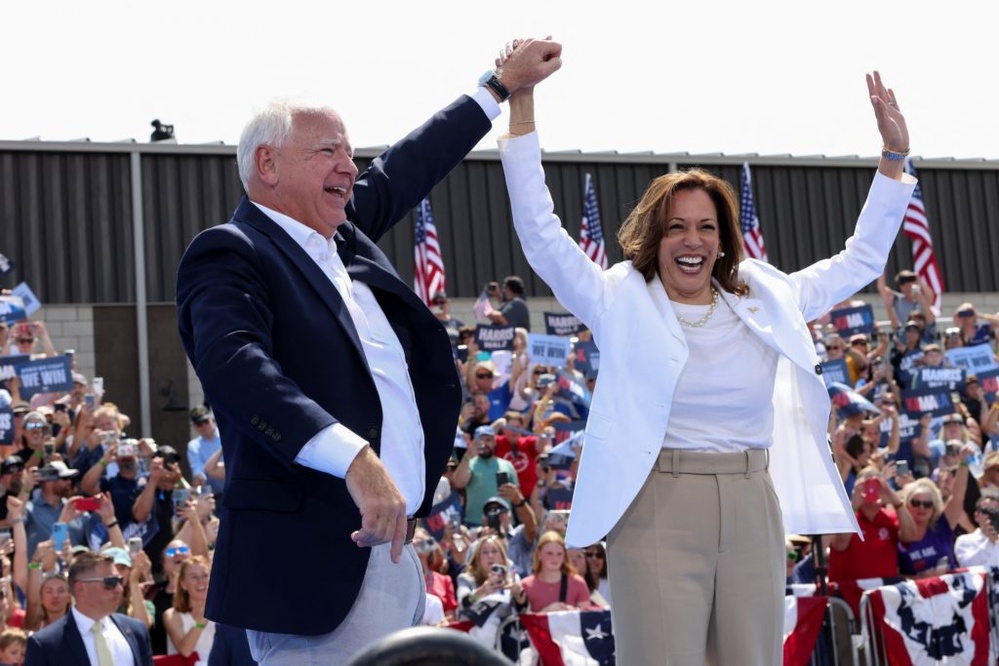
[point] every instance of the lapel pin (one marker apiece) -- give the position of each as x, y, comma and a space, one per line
753, 309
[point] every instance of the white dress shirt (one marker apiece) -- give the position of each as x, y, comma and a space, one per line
975, 549
121, 651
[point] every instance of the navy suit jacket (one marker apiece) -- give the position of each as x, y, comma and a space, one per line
60, 643
279, 359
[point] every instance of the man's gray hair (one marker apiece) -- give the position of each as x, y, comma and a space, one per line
270, 126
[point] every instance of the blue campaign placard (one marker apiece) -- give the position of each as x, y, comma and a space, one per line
6, 265
587, 357
45, 375
12, 309
494, 338
850, 321
835, 372
934, 401
31, 302
6, 425
548, 349
8, 365
560, 323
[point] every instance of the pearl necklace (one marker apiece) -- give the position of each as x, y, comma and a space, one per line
703, 320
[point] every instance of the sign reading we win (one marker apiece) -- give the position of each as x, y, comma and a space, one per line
45, 375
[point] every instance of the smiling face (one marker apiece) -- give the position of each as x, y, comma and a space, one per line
195, 581
689, 248
311, 176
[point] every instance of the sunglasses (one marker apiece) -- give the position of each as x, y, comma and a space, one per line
35, 425
179, 550
857, 343
484, 375
540, 371
598, 556
835, 348
924, 504
110, 582
25, 341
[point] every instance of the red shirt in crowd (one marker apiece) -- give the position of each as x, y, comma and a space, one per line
441, 587
874, 557
523, 460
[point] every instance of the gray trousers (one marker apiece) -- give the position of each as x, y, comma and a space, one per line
392, 597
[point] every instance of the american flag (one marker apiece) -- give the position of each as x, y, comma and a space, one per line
752, 235
918, 230
482, 307
428, 270
591, 236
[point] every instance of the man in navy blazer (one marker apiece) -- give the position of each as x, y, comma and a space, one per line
332, 384
97, 591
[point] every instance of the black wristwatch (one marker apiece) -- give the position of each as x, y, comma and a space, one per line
491, 81
520, 503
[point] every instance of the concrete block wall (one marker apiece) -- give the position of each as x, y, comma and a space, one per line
71, 327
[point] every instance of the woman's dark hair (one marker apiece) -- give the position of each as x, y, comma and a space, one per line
645, 227
855, 446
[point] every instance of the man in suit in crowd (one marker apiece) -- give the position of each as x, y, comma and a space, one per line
332, 384
92, 633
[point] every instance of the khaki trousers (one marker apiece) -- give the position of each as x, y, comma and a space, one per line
696, 564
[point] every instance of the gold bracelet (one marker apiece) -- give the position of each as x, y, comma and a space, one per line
522, 122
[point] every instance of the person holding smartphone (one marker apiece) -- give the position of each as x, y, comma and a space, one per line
479, 473
884, 522
981, 547
488, 589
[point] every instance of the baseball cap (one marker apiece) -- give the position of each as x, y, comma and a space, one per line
21, 407
56, 470
11, 464
483, 431
200, 414
501, 501
119, 555
168, 453
79, 378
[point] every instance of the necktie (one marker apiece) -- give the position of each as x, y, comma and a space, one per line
103, 649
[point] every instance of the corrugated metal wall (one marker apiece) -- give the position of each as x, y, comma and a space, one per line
66, 214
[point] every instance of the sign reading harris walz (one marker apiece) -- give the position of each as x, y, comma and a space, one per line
45, 376
494, 338
850, 321
560, 323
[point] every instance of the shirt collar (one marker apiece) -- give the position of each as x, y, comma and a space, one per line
315, 244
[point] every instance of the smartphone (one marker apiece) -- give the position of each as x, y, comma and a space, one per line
902, 468
502, 478
87, 504
49, 449
60, 534
180, 497
871, 490
89, 400
461, 353
134, 546
98, 384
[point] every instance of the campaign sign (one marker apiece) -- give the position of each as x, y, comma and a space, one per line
6, 425
572, 389
548, 349
12, 309
564, 430
31, 302
45, 376
559, 498
989, 381
587, 357
935, 401
850, 321
974, 359
906, 367
6, 265
560, 323
951, 378
835, 372
908, 426
8, 365
447, 511
494, 338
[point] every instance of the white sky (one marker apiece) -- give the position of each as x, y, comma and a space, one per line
768, 77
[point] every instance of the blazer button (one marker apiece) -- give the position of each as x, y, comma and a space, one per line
254, 420
818, 368
269, 432
372, 432
276, 437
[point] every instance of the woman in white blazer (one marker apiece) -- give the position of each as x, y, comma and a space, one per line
706, 361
